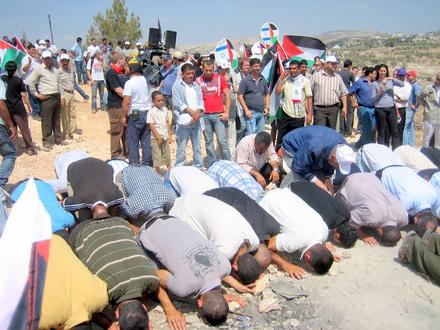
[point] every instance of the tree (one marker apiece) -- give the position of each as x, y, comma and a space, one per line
114, 25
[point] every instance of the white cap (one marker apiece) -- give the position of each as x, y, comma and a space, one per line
224, 64
138, 44
46, 54
41, 42
64, 57
331, 58
345, 157
127, 42
179, 55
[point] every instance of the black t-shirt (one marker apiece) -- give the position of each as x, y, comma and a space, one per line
14, 102
264, 225
332, 211
114, 80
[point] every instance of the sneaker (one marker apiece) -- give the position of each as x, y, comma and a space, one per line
404, 247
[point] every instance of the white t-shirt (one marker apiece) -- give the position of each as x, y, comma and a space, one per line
137, 88
301, 227
191, 180
160, 119
97, 72
92, 50
218, 222
34, 64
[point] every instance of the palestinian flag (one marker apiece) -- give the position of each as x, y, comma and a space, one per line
9, 53
269, 34
303, 48
272, 68
19, 45
24, 253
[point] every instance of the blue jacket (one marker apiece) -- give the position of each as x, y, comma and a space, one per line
310, 147
60, 218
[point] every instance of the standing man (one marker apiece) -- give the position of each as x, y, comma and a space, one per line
296, 101
168, 71
95, 73
214, 88
79, 61
115, 80
245, 67
126, 51
431, 101
346, 122
135, 106
401, 97
49, 93
93, 48
361, 99
328, 91
254, 98
7, 133
28, 65
67, 86
413, 104
303, 69
188, 109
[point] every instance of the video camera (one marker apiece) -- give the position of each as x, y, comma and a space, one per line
150, 70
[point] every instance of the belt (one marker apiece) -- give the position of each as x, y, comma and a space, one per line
327, 106
70, 92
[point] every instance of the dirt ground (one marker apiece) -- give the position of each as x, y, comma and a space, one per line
369, 289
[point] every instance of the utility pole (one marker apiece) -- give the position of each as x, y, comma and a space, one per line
50, 28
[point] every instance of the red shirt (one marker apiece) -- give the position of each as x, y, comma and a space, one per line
212, 91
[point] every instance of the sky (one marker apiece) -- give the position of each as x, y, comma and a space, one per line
198, 21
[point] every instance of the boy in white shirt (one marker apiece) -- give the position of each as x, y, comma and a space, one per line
95, 73
157, 119
135, 106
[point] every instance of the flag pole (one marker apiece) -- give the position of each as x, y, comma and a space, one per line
50, 28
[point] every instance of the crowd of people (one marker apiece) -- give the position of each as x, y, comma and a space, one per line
138, 225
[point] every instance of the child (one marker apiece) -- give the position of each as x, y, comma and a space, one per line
157, 118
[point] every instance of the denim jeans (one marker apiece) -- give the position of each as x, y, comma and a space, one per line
35, 103
137, 133
368, 121
80, 90
7, 151
214, 124
98, 86
254, 124
81, 73
183, 134
408, 131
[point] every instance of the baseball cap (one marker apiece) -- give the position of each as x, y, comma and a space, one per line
127, 42
41, 42
412, 73
331, 58
224, 64
132, 315
46, 54
138, 44
345, 157
64, 57
178, 55
166, 57
401, 72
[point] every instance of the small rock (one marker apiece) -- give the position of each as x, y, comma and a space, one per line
405, 282
346, 255
333, 272
267, 305
272, 269
262, 284
268, 293
294, 323
233, 306
407, 310
303, 287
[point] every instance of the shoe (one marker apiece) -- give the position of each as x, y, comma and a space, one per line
87, 99
404, 247
31, 152
94, 110
63, 143
47, 146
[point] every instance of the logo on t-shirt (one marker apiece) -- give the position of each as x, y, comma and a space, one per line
201, 259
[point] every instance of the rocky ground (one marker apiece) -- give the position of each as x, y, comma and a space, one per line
368, 289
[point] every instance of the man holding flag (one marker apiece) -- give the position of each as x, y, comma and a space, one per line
254, 97
296, 101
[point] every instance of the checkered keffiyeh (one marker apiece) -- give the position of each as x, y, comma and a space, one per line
230, 174
144, 191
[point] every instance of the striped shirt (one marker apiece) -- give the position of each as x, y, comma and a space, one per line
107, 247
230, 174
327, 88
